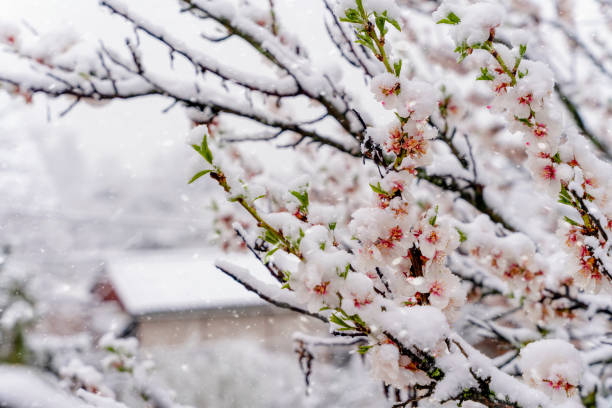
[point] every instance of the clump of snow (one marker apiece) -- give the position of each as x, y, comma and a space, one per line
553, 366
477, 20
421, 326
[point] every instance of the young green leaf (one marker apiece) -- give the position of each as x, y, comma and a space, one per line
269, 254
432, 220
360, 8
462, 235
335, 319
302, 198
526, 121
270, 237
198, 175
345, 272
205, 150
351, 16
380, 24
486, 76
570, 221
394, 23
378, 189
397, 68
451, 18
364, 349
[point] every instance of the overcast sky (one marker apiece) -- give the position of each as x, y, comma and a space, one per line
132, 131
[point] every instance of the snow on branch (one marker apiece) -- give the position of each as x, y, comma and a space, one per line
282, 87
269, 293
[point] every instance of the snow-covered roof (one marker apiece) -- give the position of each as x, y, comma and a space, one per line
174, 281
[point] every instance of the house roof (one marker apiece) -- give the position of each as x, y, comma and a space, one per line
177, 281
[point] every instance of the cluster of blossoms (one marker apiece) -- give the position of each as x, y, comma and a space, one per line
527, 273
558, 158
389, 282
406, 246
408, 136
512, 257
392, 273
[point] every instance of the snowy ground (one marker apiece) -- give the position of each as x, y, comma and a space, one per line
241, 374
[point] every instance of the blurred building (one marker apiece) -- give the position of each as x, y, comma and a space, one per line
178, 297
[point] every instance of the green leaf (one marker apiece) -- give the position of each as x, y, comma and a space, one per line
380, 24
322, 246
556, 158
451, 18
565, 194
270, 237
402, 119
204, 150
351, 16
302, 198
590, 400
524, 120
570, 221
270, 253
358, 320
364, 349
335, 319
486, 76
378, 189
522, 49
367, 44
397, 68
344, 273
198, 175
435, 374
462, 235
332, 226
360, 8
432, 220
286, 286
394, 23
462, 50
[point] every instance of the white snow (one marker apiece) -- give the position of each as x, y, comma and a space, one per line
22, 387
161, 281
